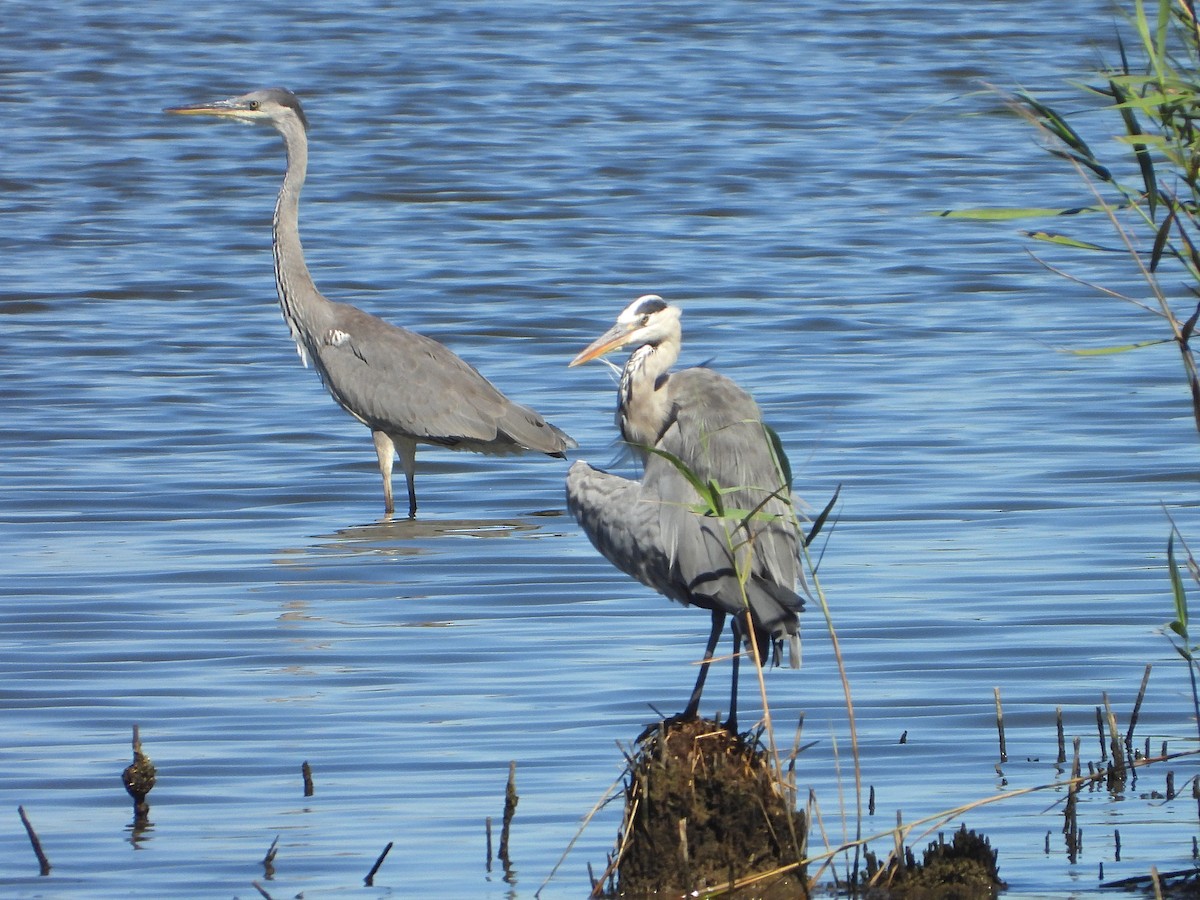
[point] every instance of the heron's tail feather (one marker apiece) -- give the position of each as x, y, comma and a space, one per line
775, 611
528, 429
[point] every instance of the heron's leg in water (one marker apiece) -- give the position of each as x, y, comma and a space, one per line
385, 450
718, 623
408, 459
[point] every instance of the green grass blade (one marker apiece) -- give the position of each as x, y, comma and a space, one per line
1063, 240
781, 459
1148, 44
1056, 125
1160, 36
1160, 239
1180, 624
708, 493
1141, 153
819, 521
1004, 214
1108, 351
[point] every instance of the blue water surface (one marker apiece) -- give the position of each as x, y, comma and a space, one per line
193, 530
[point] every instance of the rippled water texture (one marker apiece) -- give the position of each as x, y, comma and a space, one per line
191, 527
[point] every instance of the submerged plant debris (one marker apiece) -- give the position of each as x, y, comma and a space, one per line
705, 809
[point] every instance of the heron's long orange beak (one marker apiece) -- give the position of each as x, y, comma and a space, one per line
228, 108
615, 337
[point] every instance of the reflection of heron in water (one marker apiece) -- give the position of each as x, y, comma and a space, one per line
403, 537
407, 388
744, 563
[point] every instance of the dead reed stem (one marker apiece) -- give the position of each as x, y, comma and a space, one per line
819, 593
1137, 708
487, 830
612, 792
269, 860
510, 809
1000, 726
1070, 818
43, 862
369, 881
1116, 771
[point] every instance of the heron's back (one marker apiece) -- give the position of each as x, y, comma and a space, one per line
408, 385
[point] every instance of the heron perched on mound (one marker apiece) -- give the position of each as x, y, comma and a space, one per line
733, 552
407, 388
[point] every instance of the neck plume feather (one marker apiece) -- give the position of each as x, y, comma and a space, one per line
644, 405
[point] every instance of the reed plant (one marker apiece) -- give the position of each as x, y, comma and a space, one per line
1147, 187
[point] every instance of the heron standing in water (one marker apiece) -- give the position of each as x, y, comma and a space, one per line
407, 388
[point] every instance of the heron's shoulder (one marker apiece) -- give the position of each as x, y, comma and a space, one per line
378, 337
706, 389
364, 326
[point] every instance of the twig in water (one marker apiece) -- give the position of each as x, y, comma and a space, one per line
369, 881
306, 774
1062, 747
269, 860
33, 839
510, 808
487, 830
1137, 708
1000, 726
1070, 819
1116, 772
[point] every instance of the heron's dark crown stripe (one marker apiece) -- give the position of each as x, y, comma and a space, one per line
653, 305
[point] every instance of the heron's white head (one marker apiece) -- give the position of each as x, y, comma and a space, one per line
647, 320
274, 106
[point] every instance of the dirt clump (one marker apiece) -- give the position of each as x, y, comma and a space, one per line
705, 808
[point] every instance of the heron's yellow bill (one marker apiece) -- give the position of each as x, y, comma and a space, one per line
614, 338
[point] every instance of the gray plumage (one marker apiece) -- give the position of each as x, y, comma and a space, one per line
655, 531
407, 388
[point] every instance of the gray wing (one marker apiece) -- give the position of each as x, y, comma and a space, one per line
708, 553
716, 430
400, 382
623, 525
653, 532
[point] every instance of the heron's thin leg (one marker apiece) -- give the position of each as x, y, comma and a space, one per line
718, 623
408, 459
385, 450
731, 722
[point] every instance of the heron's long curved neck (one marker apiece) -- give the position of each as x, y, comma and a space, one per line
645, 400
301, 302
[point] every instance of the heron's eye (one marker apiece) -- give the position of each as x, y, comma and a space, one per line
254, 104
645, 321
